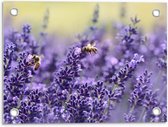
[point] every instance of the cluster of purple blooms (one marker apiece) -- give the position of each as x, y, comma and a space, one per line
86, 88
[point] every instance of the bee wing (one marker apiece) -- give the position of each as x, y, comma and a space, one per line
94, 44
41, 56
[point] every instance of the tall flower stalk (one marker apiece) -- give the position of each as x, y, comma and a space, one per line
100, 78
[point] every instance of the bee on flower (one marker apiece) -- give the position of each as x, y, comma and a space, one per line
90, 47
34, 60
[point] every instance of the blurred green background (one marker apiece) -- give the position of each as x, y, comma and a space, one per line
69, 18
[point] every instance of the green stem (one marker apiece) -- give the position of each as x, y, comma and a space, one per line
142, 114
114, 87
133, 107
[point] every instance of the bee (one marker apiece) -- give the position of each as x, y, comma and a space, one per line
90, 47
34, 60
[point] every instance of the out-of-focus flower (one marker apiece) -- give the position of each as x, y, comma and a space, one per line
129, 117
80, 87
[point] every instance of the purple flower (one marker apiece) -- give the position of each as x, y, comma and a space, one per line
72, 86
130, 39
70, 70
143, 96
96, 14
141, 89
8, 56
129, 117
119, 79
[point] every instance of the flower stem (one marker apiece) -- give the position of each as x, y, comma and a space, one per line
141, 115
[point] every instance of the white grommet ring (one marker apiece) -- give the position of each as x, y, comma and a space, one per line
14, 112
156, 13
14, 11
156, 111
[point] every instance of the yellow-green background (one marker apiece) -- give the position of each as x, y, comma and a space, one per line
69, 18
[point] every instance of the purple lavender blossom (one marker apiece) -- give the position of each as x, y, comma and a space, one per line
142, 95
85, 88
129, 117
122, 76
130, 39
96, 14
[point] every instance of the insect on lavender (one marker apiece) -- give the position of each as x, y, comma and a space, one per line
106, 75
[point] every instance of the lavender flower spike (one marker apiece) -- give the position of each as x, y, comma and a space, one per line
119, 79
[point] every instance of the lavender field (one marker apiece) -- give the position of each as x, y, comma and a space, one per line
101, 77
